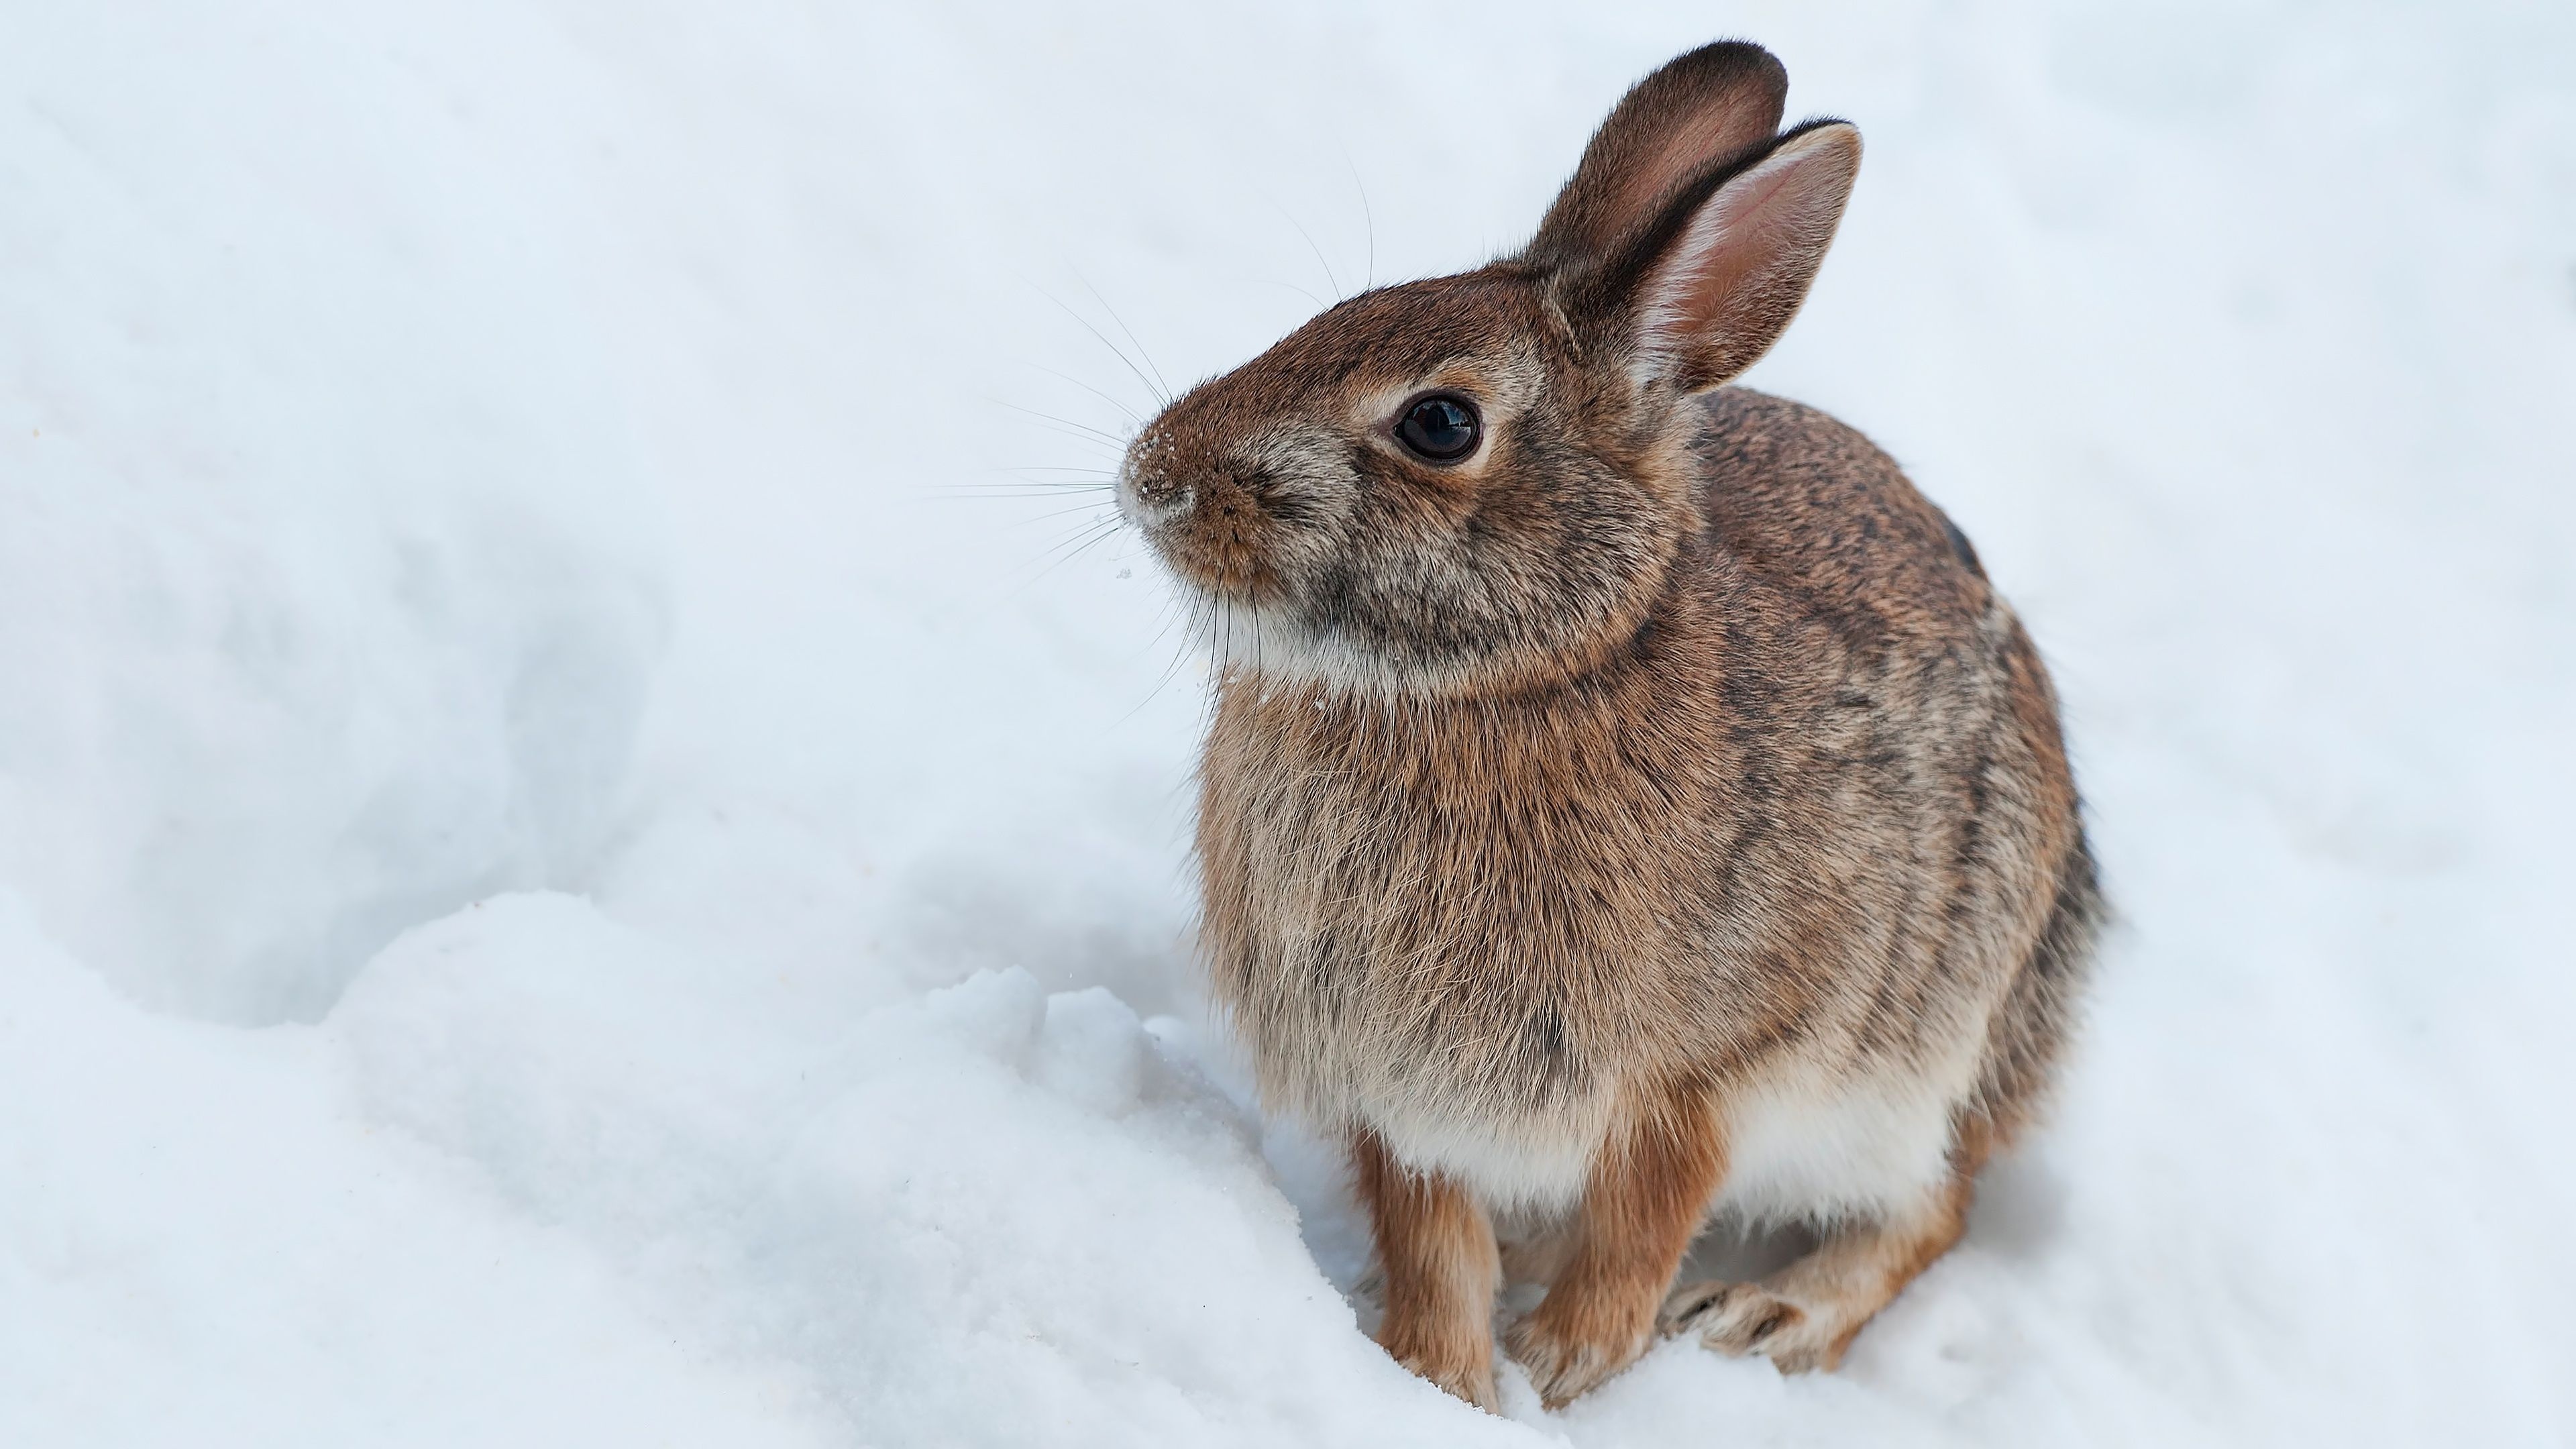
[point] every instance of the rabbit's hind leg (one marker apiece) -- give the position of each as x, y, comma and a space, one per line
1804, 1316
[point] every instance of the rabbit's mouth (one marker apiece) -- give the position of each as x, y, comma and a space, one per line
1241, 615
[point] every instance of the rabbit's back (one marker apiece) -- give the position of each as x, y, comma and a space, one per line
1806, 504
1812, 532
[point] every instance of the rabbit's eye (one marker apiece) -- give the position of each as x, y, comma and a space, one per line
1441, 427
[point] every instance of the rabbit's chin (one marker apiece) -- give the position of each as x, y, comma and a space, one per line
1269, 645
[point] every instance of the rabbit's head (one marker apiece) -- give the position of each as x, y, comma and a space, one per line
1477, 481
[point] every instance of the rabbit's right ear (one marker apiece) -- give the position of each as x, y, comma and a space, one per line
1698, 110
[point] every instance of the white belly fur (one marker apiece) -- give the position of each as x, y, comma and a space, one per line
1803, 1150
1509, 1166
1801, 1146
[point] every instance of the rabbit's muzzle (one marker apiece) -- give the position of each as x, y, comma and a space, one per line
1209, 525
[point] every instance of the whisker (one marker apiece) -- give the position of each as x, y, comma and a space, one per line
1112, 346
1067, 549
1367, 218
961, 495
1023, 488
1101, 434
1147, 353
1132, 415
1055, 513
1086, 438
1174, 611
1087, 545
1320, 303
1332, 280
1190, 616
1087, 534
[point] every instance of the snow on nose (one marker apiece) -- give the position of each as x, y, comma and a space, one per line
1151, 499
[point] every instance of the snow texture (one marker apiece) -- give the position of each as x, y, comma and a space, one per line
579, 863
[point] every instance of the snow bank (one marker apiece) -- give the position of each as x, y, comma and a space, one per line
577, 862
206, 1245
323, 604
963, 1216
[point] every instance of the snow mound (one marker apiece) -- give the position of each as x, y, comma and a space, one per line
323, 604
207, 1245
1039, 1186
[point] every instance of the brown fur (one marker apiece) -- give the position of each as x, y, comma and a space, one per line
1664, 772
1649, 1188
1439, 1267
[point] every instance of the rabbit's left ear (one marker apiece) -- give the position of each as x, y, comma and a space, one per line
1707, 292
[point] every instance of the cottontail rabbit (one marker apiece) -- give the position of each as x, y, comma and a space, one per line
1626, 798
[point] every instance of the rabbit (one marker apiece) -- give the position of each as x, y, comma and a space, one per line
1625, 798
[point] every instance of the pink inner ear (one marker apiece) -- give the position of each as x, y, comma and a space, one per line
1731, 282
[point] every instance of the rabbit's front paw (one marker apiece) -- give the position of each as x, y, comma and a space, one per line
1742, 1318
1570, 1352
1468, 1376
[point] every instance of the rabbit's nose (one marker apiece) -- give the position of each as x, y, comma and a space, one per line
1150, 498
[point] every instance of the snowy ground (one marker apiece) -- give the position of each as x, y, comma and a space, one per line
575, 870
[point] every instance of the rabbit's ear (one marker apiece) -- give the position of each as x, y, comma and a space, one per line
1716, 281
1700, 109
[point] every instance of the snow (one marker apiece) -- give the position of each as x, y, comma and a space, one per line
579, 863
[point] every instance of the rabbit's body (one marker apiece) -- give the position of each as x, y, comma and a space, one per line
1792, 847
1626, 796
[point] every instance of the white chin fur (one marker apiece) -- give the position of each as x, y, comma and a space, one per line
1253, 639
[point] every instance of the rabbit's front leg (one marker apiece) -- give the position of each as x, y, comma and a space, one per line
1648, 1191
1437, 1258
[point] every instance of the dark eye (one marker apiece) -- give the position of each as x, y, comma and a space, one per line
1441, 427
